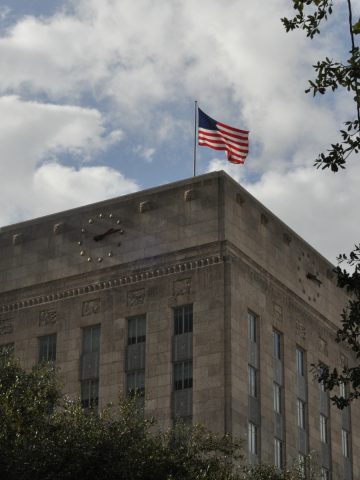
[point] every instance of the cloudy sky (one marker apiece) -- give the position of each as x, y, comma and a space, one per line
97, 100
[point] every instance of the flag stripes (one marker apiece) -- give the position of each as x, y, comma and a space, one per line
220, 136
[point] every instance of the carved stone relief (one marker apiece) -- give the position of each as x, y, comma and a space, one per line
6, 326
90, 307
182, 287
278, 311
47, 317
152, 291
300, 330
136, 297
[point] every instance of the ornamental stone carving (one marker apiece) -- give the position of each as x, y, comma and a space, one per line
136, 297
300, 330
182, 287
90, 307
47, 317
278, 311
6, 326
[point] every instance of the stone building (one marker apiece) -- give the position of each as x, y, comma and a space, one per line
199, 297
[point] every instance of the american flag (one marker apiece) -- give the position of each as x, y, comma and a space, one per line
219, 136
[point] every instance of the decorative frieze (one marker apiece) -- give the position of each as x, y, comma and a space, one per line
126, 279
278, 311
47, 317
153, 291
90, 307
136, 297
182, 287
6, 326
300, 330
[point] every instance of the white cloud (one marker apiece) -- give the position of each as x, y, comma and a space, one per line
146, 153
33, 135
320, 206
66, 187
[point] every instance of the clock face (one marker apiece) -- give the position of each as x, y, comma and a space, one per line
100, 237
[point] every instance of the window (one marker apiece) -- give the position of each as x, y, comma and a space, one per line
342, 390
300, 362
277, 397
90, 393
252, 438
136, 383
47, 348
136, 329
276, 336
252, 327
324, 474
252, 381
323, 429
183, 319
345, 443
278, 453
183, 375
91, 339
90, 367
300, 413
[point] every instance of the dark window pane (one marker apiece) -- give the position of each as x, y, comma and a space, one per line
276, 344
90, 393
183, 377
47, 348
183, 319
91, 339
137, 329
136, 383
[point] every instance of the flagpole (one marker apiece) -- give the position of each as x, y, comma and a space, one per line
195, 136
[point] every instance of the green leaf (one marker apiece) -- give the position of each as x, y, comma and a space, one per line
356, 27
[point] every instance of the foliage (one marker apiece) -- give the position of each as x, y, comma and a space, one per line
348, 333
332, 75
299, 471
46, 436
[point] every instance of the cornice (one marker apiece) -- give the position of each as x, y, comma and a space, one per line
124, 280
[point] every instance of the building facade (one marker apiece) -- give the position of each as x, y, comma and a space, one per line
197, 297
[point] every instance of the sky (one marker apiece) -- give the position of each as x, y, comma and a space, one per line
97, 100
